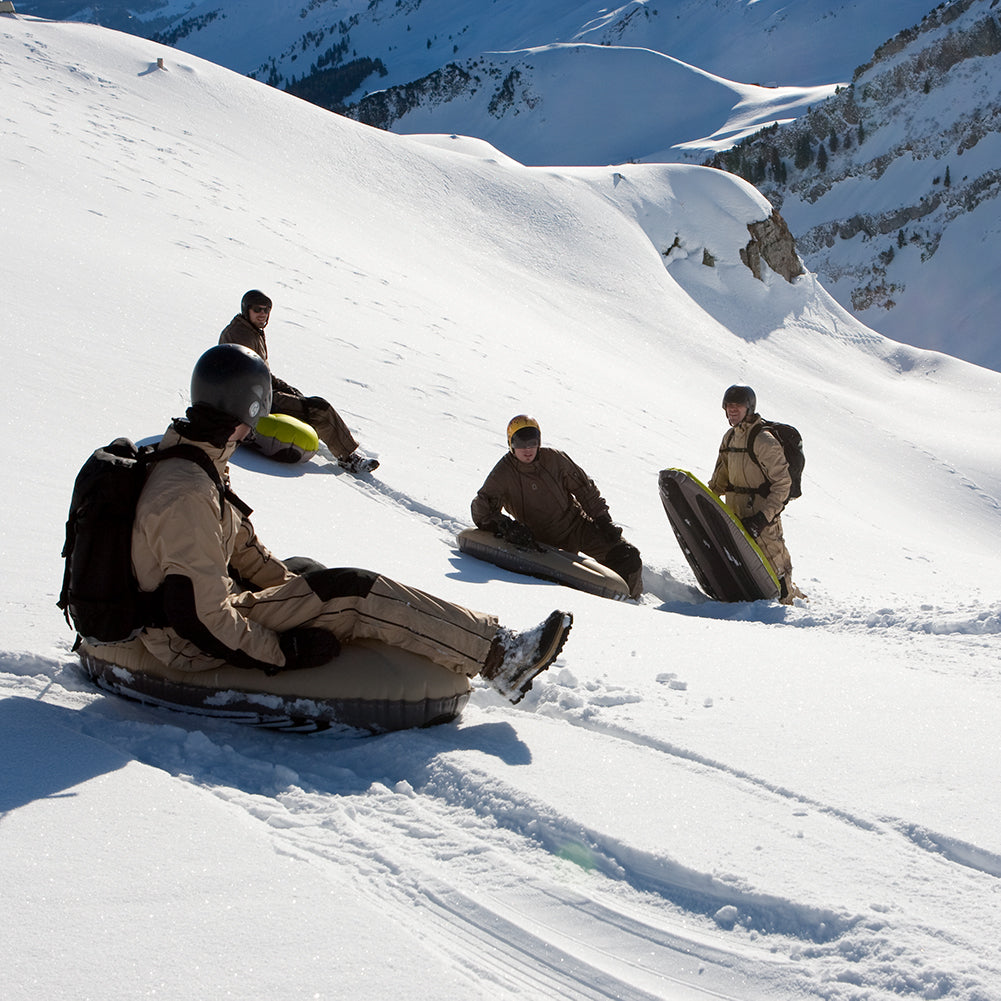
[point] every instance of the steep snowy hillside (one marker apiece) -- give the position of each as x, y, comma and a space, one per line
892, 187
567, 83
699, 800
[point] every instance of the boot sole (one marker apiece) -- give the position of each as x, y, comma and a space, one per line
551, 652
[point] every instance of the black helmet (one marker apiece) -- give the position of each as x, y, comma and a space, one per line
741, 395
233, 380
253, 298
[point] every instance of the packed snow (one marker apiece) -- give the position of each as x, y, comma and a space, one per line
698, 800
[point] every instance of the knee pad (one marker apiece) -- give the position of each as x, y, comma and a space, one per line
340, 582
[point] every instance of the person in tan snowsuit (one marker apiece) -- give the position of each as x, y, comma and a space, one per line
226, 599
552, 500
247, 329
758, 491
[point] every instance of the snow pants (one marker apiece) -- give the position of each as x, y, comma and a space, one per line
361, 604
620, 556
771, 542
321, 417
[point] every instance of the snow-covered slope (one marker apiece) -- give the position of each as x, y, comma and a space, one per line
699, 800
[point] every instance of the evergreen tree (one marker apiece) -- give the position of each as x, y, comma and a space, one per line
775, 164
804, 152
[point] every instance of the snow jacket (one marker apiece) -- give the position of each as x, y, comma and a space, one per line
187, 538
740, 478
550, 495
241, 331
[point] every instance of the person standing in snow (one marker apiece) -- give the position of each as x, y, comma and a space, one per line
552, 500
227, 599
756, 491
247, 329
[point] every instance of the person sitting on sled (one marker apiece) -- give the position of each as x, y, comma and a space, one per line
247, 329
551, 499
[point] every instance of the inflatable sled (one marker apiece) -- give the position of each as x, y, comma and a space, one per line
283, 438
545, 562
370, 686
726, 561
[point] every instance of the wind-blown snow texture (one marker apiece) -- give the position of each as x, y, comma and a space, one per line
698, 800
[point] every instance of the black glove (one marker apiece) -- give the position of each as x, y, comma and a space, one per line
510, 530
608, 531
307, 646
518, 534
754, 524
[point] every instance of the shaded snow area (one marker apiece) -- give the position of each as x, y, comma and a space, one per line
697, 800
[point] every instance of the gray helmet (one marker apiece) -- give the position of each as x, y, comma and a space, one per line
741, 395
233, 380
254, 297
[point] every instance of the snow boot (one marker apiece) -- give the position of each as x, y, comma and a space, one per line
357, 463
516, 659
788, 591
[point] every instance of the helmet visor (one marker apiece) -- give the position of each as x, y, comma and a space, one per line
526, 438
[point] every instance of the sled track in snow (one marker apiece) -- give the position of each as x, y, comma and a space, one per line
384, 493
958, 852
482, 895
478, 868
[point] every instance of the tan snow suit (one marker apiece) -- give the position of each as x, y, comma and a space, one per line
286, 399
203, 551
738, 476
560, 504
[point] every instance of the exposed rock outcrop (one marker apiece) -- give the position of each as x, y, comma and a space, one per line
772, 243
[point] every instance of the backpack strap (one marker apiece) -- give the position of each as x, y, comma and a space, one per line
194, 454
765, 489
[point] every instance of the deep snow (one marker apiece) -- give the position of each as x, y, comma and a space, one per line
699, 800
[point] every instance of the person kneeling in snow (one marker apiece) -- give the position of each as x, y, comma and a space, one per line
552, 500
247, 329
227, 599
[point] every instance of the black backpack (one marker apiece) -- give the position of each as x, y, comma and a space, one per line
792, 444
100, 596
